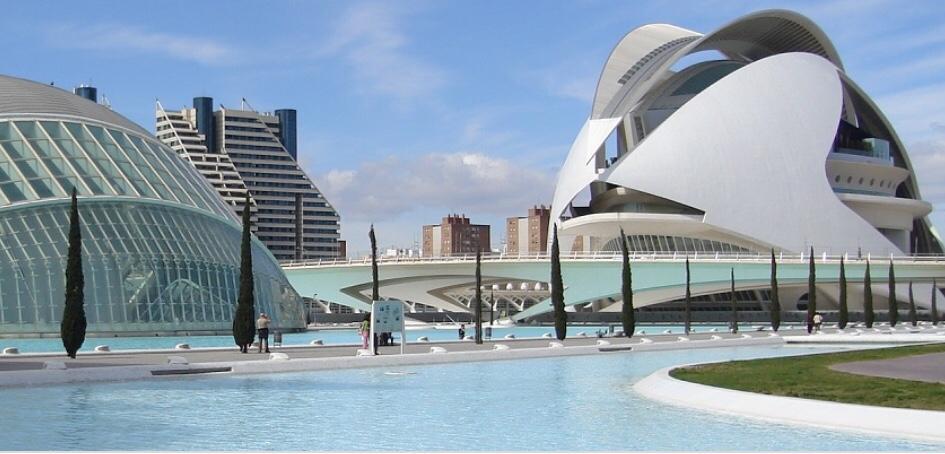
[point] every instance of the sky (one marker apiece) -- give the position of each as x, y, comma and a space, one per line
412, 110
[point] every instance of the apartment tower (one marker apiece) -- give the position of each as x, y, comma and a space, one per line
528, 235
455, 235
240, 151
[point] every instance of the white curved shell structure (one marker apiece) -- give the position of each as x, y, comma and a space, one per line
746, 139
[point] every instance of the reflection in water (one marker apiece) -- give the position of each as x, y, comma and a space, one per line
568, 403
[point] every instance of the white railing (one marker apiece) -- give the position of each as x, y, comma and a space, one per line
615, 256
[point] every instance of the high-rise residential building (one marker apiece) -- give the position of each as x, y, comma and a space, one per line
528, 234
455, 235
240, 151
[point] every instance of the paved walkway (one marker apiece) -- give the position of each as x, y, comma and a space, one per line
213, 355
927, 368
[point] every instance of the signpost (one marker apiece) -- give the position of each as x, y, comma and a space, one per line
386, 317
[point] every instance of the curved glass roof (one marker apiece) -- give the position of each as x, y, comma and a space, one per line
21, 97
707, 75
43, 158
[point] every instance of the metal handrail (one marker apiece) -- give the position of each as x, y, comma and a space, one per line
614, 256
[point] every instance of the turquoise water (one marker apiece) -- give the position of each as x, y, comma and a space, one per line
555, 404
329, 337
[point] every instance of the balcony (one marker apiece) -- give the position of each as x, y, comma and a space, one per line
874, 150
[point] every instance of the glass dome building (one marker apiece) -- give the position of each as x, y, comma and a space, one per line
160, 248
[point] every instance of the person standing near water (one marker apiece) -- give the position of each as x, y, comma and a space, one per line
365, 330
818, 321
262, 326
462, 331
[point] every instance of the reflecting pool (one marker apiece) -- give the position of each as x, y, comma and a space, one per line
328, 336
552, 404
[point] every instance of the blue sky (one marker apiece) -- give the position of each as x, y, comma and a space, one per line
412, 110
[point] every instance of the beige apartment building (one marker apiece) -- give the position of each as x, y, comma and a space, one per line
529, 234
455, 236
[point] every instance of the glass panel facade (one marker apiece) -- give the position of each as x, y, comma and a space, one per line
160, 248
670, 244
46, 158
148, 267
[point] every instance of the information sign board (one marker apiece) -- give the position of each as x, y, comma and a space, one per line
388, 317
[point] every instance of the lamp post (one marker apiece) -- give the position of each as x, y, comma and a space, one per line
492, 306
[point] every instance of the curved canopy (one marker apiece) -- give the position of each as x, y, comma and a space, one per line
630, 55
23, 97
767, 33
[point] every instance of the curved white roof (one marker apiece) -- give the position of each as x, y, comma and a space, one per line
630, 55
22, 97
748, 38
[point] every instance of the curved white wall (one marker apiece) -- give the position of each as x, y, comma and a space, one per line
749, 151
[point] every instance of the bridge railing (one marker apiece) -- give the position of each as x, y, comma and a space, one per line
634, 256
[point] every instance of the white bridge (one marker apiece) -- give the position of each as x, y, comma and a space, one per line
444, 283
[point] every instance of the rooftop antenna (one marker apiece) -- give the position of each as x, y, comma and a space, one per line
106, 102
244, 104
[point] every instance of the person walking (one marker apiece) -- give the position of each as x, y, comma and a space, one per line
365, 331
262, 327
818, 321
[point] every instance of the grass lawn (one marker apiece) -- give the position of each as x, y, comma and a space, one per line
810, 377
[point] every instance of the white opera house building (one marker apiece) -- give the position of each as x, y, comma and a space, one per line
746, 139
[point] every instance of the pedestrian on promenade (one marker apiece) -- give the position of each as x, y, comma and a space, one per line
365, 331
810, 324
462, 331
262, 326
818, 320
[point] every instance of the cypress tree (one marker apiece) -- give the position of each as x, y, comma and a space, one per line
477, 312
912, 316
734, 323
72, 329
844, 316
775, 308
557, 290
811, 293
687, 308
626, 315
244, 330
868, 297
934, 308
375, 285
893, 303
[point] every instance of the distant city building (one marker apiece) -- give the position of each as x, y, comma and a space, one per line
528, 234
240, 151
455, 235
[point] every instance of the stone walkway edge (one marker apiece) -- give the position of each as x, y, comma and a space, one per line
924, 425
275, 365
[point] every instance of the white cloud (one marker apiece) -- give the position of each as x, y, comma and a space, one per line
928, 161
114, 37
915, 111
570, 79
468, 182
370, 38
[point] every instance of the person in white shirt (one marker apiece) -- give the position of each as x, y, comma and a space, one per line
262, 327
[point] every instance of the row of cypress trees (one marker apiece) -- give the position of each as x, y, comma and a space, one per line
74, 323
843, 314
628, 320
